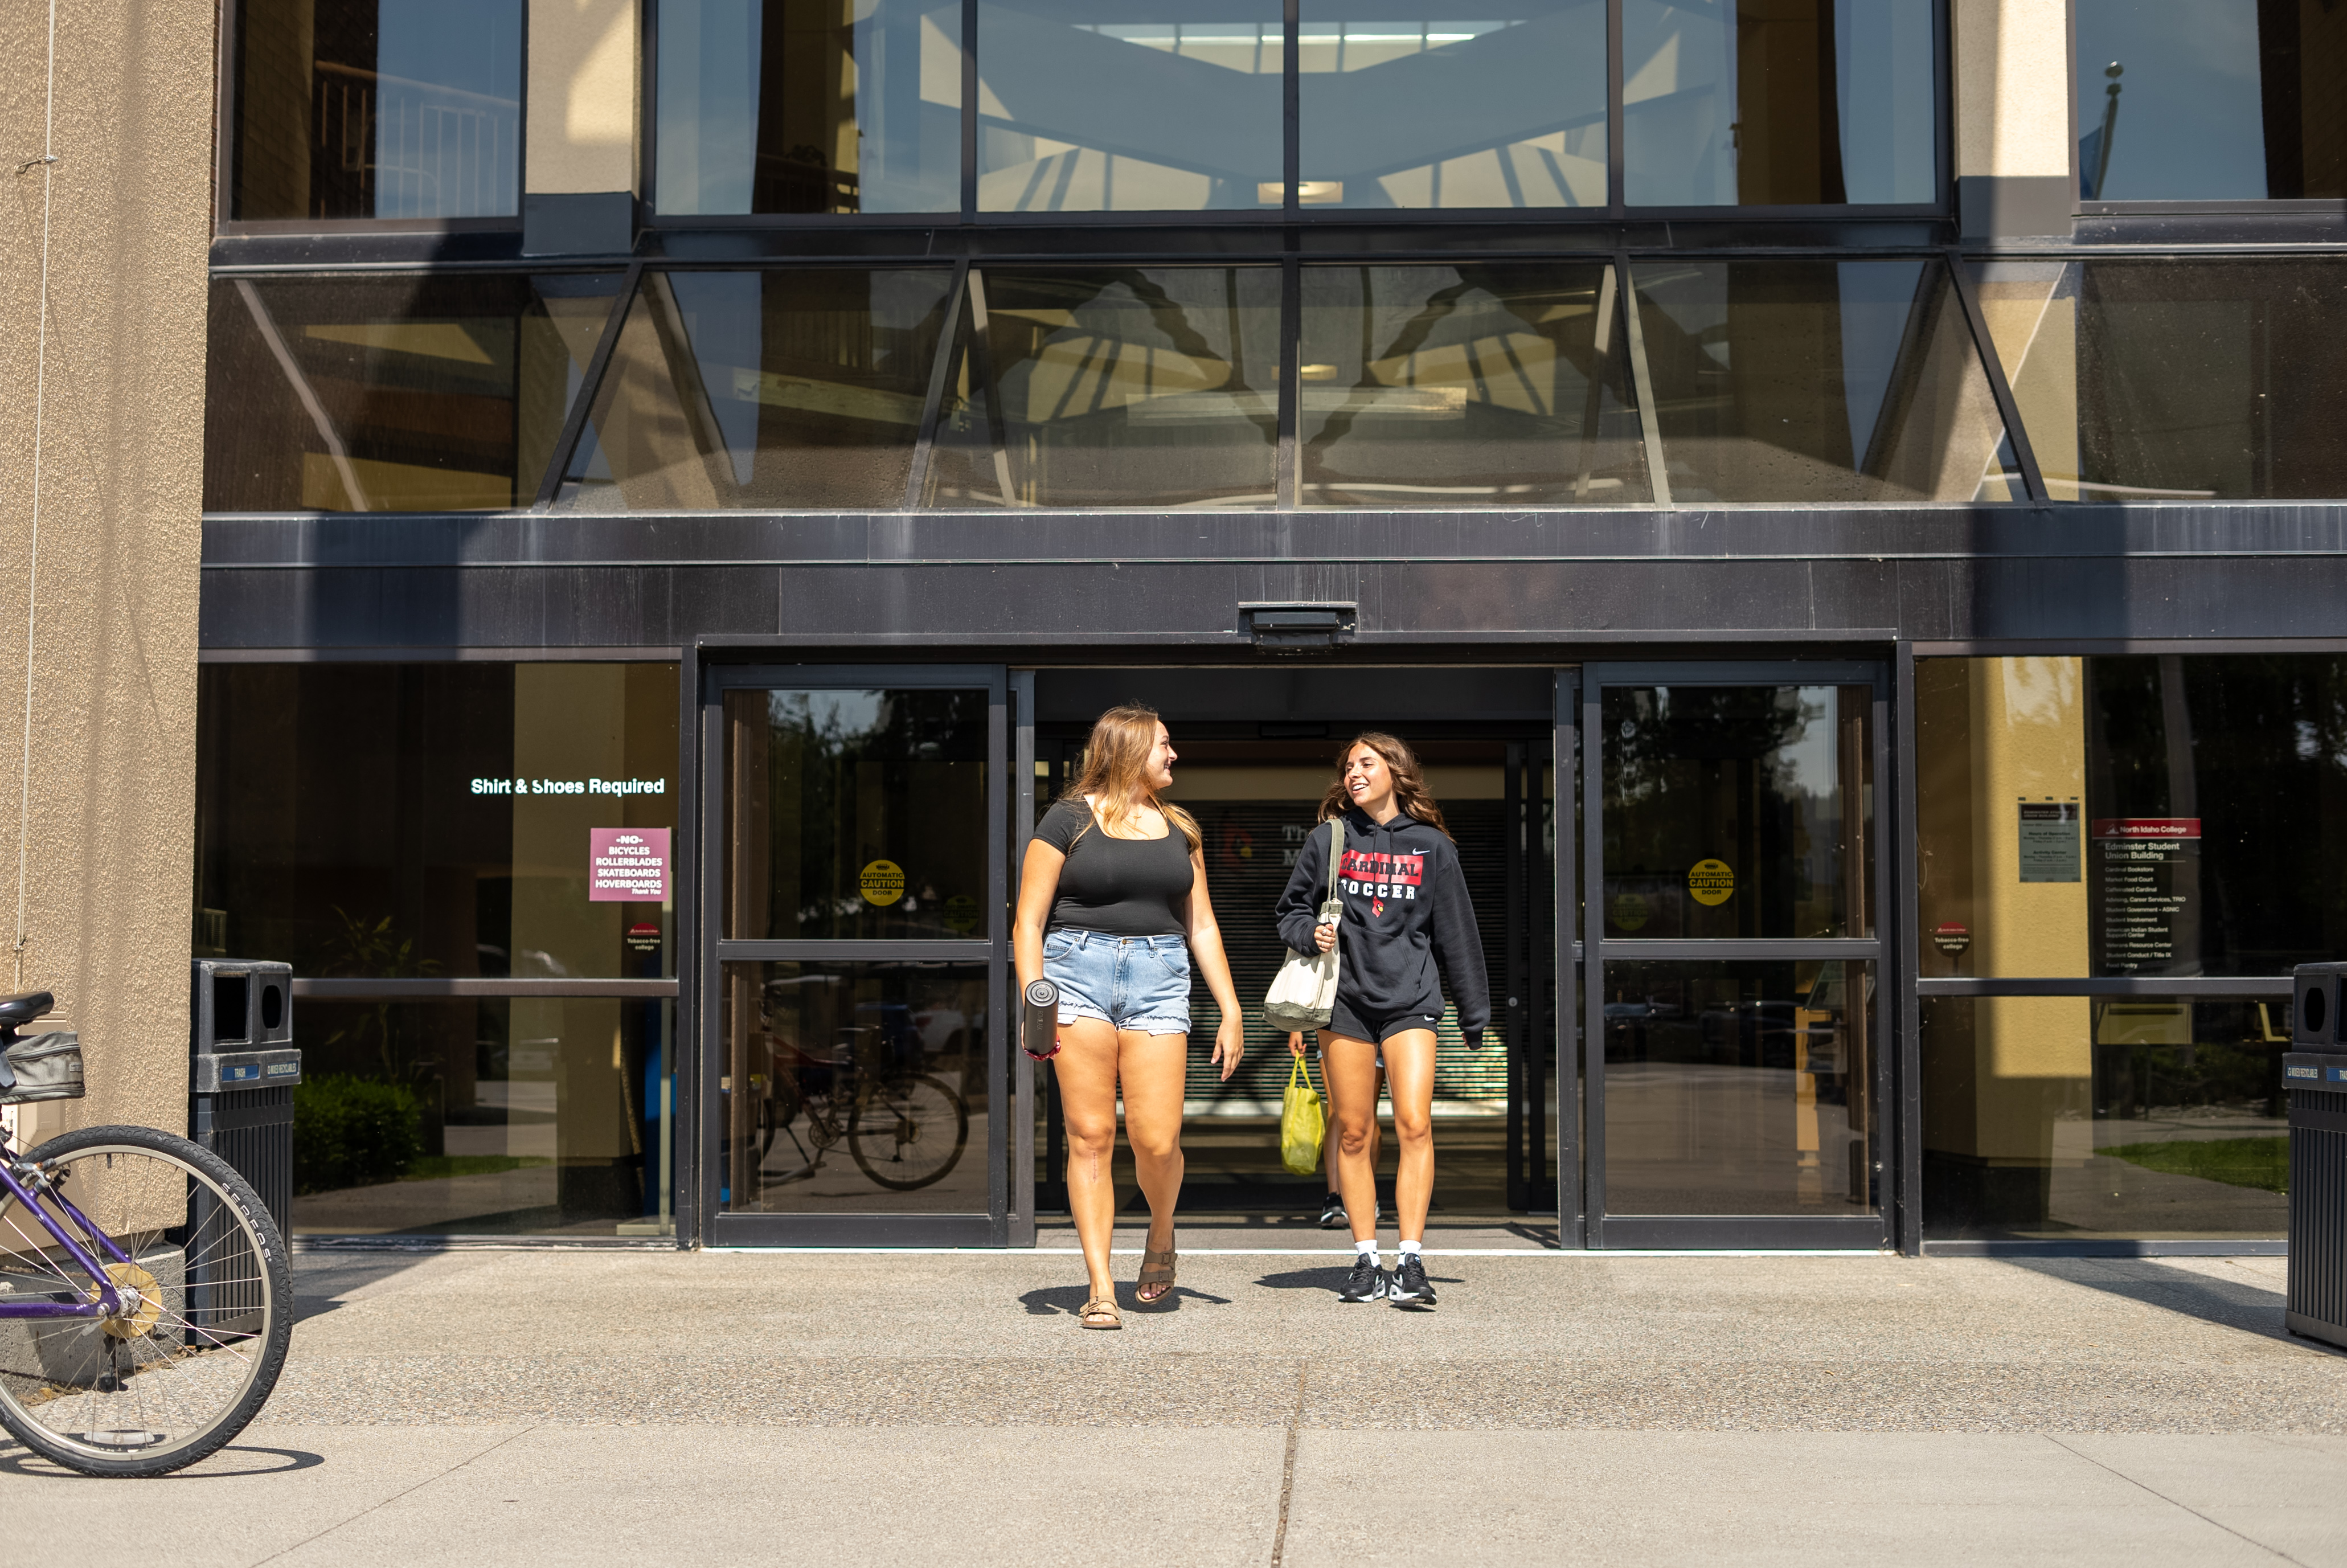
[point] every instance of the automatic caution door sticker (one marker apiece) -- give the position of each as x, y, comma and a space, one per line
883, 882
1711, 881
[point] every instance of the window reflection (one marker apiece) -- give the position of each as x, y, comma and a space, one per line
393, 394
1128, 386
377, 109
1505, 107
2209, 99
762, 389
1819, 381
809, 106
1167, 105
1776, 102
1465, 386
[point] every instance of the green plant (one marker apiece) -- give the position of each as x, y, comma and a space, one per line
373, 951
2236, 1161
352, 1131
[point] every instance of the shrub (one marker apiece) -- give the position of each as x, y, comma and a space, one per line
352, 1131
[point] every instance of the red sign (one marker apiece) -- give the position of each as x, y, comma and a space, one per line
2147, 827
627, 864
1951, 938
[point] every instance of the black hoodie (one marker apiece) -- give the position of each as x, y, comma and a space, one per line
1406, 910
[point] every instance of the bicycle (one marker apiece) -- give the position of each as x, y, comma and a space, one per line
138, 1341
904, 1129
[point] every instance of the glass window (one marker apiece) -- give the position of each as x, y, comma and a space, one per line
1087, 105
2184, 380
390, 395
418, 820
1779, 102
853, 1088
484, 1116
1739, 1088
1738, 810
856, 815
1819, 381
377, 109
2139, 815
1462, 386
809, 106
762, 389
2209, 101
1506, 105
2072, 1117
1127, 386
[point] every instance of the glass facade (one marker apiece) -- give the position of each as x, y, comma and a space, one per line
377, 108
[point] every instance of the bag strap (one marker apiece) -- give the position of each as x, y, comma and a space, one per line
1335, 851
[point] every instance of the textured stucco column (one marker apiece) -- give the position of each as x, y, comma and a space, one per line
579, 185
2013, 118
109, 844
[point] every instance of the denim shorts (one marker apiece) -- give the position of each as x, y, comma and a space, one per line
1136, 983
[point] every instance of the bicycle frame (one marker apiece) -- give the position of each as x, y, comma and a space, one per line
108, 1303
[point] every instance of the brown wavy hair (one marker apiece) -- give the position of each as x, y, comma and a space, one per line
1409, 780
1111, 771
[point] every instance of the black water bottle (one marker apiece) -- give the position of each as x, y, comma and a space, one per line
1039, 1021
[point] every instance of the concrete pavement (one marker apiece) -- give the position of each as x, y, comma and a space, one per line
578, 1407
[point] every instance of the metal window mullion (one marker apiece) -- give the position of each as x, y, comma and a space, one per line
917, 478
1566, 759
1291, 111
1906, 1197
1593, 896
590, 383
1000, 981
683, 1045
2033, 483
1616, 199
968, 111
1022, 829
1642, 383
855, 950
1886, 1137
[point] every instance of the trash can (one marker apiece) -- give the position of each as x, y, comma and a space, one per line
242, 1067
2315, 1070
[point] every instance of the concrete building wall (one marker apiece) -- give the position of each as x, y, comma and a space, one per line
2013, 116
106, 843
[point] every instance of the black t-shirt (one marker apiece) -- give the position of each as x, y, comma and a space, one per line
1119, 886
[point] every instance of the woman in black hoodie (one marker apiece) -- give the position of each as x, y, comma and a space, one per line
1406, 912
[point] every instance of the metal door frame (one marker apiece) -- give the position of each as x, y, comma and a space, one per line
1600, 1230
714, 950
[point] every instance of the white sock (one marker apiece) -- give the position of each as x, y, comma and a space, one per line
1368, 1249
1409, 1247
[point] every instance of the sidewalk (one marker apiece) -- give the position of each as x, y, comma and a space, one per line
529, 1406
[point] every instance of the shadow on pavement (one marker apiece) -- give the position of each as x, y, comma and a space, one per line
321, 1279
1067, 1300
2245, 1304
16, 1460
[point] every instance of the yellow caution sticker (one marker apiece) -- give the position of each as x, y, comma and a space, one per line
1631, 911
1711, 881
883, 882
961, 914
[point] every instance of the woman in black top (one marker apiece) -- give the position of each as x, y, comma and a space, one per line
1113, 909
1405, 912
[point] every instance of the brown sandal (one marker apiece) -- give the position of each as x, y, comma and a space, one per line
1156, 1269
1100, 1312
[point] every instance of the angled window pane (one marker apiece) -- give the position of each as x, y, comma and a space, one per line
809, 106
1143, 106
393, 394
1779, 102
1450, 387
2207, 100
1127, 386
1506, 104
377, 109
1819, 381
762, 389
2183, 380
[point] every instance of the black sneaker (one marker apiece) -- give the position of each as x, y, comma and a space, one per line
1409, 1288
1333, 1216
1366, 1283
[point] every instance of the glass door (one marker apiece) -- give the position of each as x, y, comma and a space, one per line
1730, 982
853, 1042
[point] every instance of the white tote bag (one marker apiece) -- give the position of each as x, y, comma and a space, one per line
1303, 993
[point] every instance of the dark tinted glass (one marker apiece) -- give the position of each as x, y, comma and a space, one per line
762, 389
1819, 381
1450, 386
1739, 1088
424, 821
393, 394
2210, 99
791, 106
1123, 105
2184, 380
1421, 105
2073, 1117
856, 815
1131, 387
1772, 102
1736, 811
377, 109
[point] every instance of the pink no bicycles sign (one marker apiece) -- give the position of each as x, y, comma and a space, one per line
627, 864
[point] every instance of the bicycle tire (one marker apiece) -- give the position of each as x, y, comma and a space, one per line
230, 1349
875, 1168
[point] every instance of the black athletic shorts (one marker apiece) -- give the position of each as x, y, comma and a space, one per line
1344, 1020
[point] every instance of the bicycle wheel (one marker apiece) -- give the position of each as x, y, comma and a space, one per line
908, 1132
162, 1386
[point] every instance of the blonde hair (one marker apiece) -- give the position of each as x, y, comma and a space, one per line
1409, 780
1114, 771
